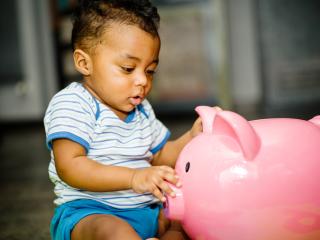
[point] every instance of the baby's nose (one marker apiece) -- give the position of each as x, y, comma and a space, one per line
142, 79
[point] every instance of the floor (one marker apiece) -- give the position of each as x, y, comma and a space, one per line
26, 196
26, 202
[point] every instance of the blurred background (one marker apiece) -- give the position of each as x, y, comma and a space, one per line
260, 58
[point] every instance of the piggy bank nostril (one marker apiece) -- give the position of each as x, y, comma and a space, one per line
187, 166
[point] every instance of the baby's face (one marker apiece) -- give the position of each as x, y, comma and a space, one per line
123, 65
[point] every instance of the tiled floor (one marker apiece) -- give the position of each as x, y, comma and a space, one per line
26, 202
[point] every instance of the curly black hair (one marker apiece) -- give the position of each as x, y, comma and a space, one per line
92, 17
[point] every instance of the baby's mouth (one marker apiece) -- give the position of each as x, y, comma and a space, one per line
136, 100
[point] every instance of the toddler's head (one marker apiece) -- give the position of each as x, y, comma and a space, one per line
92, 18
116, 47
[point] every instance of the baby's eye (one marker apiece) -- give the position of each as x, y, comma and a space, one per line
151, 72
127, 69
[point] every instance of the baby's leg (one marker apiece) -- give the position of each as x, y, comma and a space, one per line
102, 226
170, 230
175, 232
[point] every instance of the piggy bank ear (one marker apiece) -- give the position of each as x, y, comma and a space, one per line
238, 128
207, 115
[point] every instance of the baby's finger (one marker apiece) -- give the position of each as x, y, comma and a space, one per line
166, 189
167, 169
157, 193
218, 109
173, 178
168, 172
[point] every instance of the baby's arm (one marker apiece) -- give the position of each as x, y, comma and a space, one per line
77, 170
169, 153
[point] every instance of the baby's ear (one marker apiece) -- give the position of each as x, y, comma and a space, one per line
82, 62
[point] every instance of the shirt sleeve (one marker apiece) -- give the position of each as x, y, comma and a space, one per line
160, 133
71, 116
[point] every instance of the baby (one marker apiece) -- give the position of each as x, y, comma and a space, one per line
110, 156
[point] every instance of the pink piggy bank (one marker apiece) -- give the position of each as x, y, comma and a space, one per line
249, 180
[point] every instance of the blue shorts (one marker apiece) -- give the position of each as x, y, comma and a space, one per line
66, 216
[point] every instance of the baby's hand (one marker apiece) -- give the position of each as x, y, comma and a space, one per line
197, 125
153, 179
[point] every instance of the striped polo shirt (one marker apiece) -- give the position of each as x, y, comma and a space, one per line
73, 113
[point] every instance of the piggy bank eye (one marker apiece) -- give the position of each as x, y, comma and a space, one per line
187, 167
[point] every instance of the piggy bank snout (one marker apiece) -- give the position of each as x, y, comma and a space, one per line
174, 206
